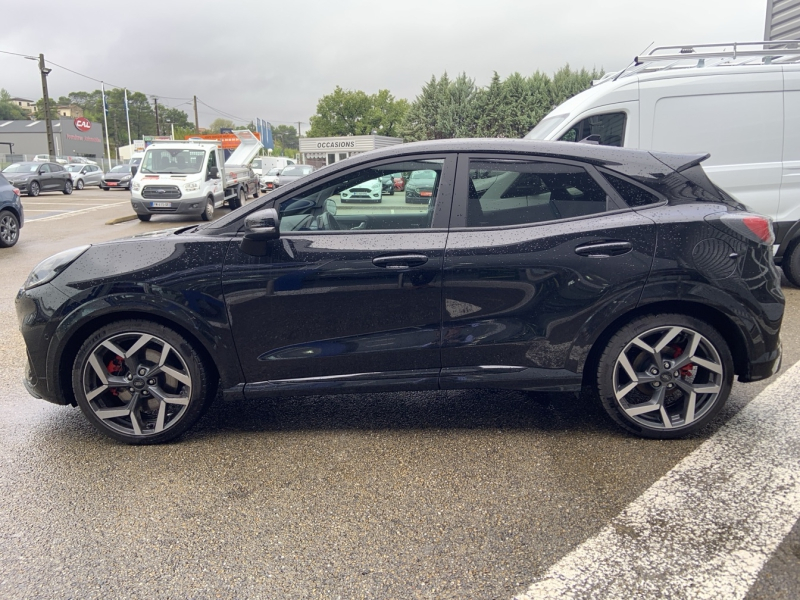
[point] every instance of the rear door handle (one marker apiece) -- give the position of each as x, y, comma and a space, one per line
604, 249
400, 261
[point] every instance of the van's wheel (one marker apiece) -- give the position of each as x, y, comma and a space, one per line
665, 376
208, 213
140, 382
145, 218
791, 263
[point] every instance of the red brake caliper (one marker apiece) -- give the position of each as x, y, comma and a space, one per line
114, 368
685, 370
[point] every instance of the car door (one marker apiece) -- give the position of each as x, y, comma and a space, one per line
350, 296
96, 175
45, 177
58, 176
540, 251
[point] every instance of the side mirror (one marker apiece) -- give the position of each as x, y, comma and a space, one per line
134, 170
259, 228
213, 173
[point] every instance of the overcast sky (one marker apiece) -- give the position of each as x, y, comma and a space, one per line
274, 60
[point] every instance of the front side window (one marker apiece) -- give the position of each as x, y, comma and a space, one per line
606, 130
503, 193
363, 201
44, 169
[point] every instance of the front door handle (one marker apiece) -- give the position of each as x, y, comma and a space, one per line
400, 262
604, 249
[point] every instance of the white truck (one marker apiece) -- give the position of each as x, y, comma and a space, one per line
191, 178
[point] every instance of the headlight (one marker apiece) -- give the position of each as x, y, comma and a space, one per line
191, 187
126, 178
136, 186
49, 268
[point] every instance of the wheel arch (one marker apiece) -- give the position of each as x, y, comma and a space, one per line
13, 211
69, 348
727, 328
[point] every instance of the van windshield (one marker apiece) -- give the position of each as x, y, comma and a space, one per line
545, 127
173, 160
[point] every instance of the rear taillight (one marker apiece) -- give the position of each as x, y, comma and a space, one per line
16, 191
756, 228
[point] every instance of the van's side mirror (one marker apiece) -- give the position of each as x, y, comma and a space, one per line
213, 173
134, 170
259, 228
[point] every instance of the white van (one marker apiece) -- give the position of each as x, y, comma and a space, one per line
739, 102
261, 165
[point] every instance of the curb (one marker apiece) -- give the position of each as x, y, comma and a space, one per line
122, 219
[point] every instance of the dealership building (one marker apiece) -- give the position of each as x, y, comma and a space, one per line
71, 137
326, 151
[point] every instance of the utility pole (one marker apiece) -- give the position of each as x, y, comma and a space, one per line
298, 129
196, 121
158, 128
48, 119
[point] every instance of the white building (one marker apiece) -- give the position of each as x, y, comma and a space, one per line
326, 151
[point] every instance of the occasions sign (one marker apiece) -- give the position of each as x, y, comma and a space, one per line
82, 124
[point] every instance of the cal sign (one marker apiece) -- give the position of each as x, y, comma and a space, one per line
82, 124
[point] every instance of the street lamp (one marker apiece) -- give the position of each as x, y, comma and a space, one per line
48, 121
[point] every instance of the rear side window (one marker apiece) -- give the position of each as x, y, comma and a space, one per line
633, 195
608, 129
516, 193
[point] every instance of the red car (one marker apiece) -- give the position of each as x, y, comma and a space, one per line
399, 182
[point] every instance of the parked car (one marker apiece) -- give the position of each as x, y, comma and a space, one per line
118, 178
267, 182
83, 175
419, 187
292, 173
367, 191
79, 160
743, 110
12, 216
576, 266
399, 182
46, 158
36, 177
387, 185
264, 164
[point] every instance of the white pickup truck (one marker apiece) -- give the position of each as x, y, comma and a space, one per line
190, 177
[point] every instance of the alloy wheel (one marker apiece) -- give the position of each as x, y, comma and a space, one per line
668, 377
9, 230
137, 383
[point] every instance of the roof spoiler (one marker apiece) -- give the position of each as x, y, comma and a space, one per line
680, 162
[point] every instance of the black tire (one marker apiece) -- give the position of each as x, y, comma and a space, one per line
67, 187
145, 218
105, 189
170, 393
34, 189
391, 191
208, 213
80, 185
790, 263
9, 229
657, 403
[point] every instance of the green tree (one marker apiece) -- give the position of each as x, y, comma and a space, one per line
567, 83
353, 112
286, 135
423, 119
221, 123
8, 110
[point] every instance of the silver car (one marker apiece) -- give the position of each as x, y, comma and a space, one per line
83, 175
293, 173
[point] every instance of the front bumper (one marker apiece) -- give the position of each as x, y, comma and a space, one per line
184, 206
123, 185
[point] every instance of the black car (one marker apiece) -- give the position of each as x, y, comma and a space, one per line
534, 266
419, 187
118, 177
36, 177
12, 217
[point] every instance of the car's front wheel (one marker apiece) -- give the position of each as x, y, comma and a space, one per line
33, 189
665, 376
140, 382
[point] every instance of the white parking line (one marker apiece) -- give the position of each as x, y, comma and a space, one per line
64, 215
707, 527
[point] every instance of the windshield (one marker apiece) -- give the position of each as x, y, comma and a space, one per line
256, 164
74, 168
417, 175
21, 168
275, 171
121, 169
545, 127
296, 171
173, 160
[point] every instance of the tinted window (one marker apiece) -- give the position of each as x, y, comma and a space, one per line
361, 200
514, 193
610, 129
45, 168
632, 194
54, 168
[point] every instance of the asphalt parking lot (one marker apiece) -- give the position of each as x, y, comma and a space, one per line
401, 495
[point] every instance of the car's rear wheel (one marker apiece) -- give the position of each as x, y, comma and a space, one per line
33, 189
67, 187
665, 376
140, 382
9, 229
145, 217
79, 186
208, 213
